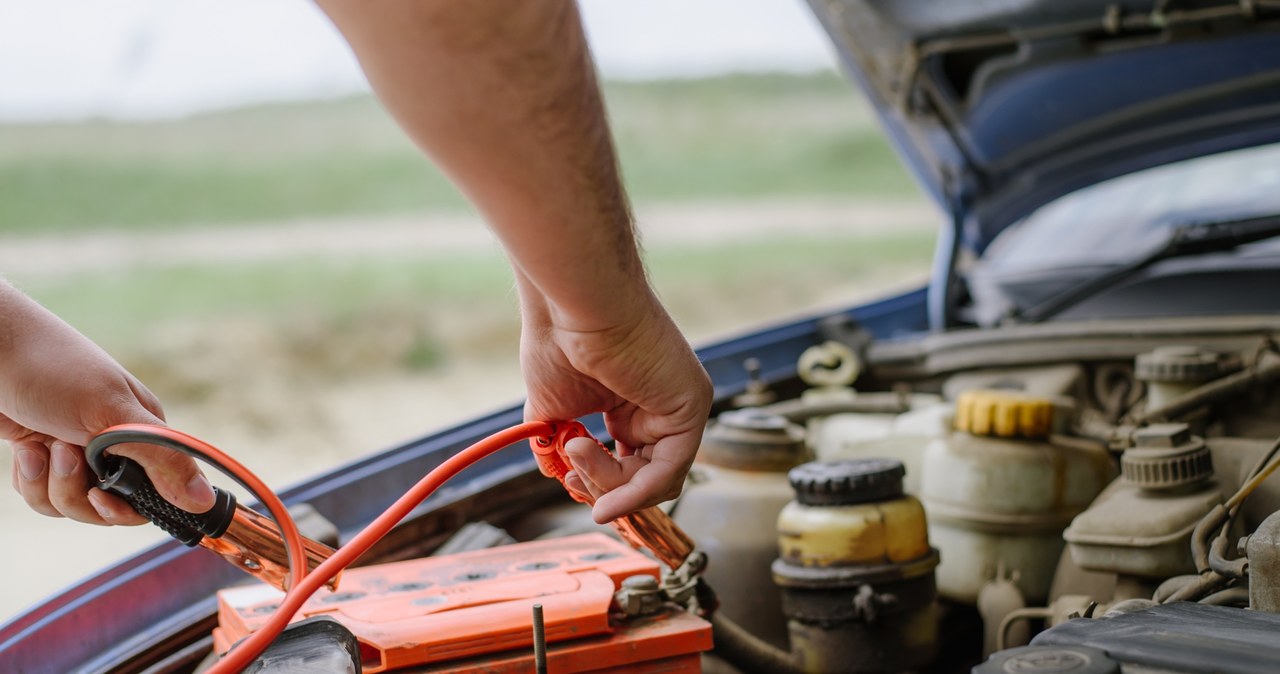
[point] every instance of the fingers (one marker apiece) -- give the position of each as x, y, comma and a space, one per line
55, 481
174, 475
627, 484
113, 509
31, 470
595, 469
69, 483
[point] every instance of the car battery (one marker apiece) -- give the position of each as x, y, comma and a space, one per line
472, 611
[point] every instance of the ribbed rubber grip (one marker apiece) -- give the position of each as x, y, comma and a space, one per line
129, 481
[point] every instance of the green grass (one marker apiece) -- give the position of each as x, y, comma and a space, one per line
185, 329
109, 304
730, 137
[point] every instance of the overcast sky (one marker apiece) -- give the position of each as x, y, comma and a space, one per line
68, 59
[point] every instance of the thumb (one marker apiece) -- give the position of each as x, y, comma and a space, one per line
173, 473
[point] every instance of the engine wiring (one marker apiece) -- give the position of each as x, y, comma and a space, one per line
1209, 541
303, 585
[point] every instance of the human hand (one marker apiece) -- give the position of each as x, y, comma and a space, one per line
653, 392
58, 390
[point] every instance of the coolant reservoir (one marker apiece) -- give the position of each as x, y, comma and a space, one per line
856, 569
736, 489
999, 494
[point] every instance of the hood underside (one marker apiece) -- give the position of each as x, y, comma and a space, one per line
999, 107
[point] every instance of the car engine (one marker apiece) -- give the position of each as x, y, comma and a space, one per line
1044, 498
1035, 499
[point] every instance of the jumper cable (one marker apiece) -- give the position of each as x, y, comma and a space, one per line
649, 528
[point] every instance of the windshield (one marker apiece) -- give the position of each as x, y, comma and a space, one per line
1117, 221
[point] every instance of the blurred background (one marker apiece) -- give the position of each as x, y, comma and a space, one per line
208, 191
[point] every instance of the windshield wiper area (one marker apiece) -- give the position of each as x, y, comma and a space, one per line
1194, 238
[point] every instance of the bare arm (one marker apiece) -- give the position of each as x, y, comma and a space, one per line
503, 96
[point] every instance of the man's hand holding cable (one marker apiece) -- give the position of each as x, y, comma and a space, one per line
641, 374
57, 390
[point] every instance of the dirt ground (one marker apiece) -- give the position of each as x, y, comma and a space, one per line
332, 424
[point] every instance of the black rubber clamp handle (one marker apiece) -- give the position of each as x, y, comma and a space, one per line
125, 478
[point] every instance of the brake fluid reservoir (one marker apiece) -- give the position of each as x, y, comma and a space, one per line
999, 494
1141, 525
856, 569
736, 489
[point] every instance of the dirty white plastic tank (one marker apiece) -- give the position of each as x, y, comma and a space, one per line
998, 494
844, 424
897, 436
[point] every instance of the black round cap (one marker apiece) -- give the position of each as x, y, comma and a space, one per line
848, 482
1049, 660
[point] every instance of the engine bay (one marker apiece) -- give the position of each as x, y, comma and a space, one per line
1087, 486
978, 502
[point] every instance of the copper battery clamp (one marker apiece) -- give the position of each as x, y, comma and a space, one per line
649, 528
249, 541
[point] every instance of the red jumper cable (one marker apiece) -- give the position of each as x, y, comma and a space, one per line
649, 528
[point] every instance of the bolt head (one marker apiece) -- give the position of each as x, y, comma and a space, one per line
640, 583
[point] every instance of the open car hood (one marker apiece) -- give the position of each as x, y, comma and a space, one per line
999, 107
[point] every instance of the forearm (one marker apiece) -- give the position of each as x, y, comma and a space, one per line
49, 371
28, 333
17, 312
503, 96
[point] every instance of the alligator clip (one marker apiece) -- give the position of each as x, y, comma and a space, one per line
249, 541
649, 529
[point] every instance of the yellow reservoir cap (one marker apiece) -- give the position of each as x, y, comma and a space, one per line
1004, 414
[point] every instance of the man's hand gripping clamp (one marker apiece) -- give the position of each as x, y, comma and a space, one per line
649, 528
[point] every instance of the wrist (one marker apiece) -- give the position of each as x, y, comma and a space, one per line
617, 305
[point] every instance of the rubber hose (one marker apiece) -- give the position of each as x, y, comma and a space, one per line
1203, 586
1232, 596
747, 652
1172, 586
1204, 530
1233, 568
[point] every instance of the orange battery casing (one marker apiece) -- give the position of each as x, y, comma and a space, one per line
473, 609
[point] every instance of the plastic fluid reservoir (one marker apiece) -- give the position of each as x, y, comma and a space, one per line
848, 424
901, 436
1141, 525
999, 494
856, 569
736, 489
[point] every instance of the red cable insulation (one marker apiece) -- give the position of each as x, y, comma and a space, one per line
244, 654
288, 528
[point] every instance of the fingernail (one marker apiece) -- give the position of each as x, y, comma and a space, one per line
30, 464
63, 459
101, 508
200, 492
